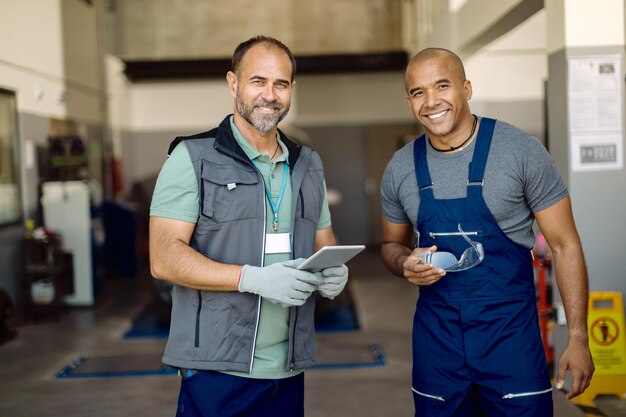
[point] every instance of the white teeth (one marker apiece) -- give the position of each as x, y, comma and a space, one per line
437, 115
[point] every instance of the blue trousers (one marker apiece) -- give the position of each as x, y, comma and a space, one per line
214, 394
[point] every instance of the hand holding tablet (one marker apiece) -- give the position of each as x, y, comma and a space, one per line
330, 256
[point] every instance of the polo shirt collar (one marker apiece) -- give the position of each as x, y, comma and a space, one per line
249, 150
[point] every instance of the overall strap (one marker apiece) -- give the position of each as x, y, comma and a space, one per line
479, 159
422, 175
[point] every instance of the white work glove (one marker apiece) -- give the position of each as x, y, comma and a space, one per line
335, 279
280, 283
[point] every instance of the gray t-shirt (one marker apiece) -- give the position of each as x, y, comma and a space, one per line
520, 179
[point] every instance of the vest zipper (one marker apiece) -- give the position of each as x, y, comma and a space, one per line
295, 310
258, 311
232, 154
525, 394
292, 361
256, 329
434, 397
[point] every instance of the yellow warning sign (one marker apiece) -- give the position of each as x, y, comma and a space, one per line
606, 333
608, 347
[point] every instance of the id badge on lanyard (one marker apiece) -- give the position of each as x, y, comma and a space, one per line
277, 243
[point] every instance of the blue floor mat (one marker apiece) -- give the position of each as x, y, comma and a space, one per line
115, 366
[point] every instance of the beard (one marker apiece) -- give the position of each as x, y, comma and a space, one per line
261, 121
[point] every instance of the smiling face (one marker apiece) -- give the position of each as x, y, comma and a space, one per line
262, 86
438, 95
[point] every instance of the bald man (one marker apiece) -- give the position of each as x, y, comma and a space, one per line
459, 205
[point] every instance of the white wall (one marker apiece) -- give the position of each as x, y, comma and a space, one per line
30, 35
605, 31
508, 76
513, 67
180, 105
31, 54
48, 55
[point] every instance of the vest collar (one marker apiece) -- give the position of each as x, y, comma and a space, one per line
224, 139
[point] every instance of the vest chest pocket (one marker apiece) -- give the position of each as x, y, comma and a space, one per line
228, 193
310, 198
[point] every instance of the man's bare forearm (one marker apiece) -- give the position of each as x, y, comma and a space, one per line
182, 265
394, 255
571, 277
173, 260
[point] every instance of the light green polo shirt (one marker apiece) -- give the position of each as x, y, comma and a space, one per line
176, 196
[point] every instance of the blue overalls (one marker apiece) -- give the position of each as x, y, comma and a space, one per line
477, 348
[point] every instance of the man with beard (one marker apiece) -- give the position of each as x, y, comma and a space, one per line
234, 212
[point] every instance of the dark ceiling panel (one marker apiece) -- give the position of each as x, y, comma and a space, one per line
147, 70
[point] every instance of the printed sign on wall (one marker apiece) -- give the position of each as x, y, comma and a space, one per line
595, 111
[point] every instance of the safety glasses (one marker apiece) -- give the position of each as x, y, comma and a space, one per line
471, 257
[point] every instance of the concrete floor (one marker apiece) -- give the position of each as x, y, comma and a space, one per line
29, 363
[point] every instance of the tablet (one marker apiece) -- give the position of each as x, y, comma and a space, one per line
329, 256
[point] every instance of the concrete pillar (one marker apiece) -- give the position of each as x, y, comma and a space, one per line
586, 127
585, 103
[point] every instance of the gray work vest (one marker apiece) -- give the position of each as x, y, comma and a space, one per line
214, 330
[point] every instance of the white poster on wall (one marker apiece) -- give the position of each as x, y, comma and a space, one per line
595, 110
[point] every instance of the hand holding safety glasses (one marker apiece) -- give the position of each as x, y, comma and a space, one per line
471, 257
